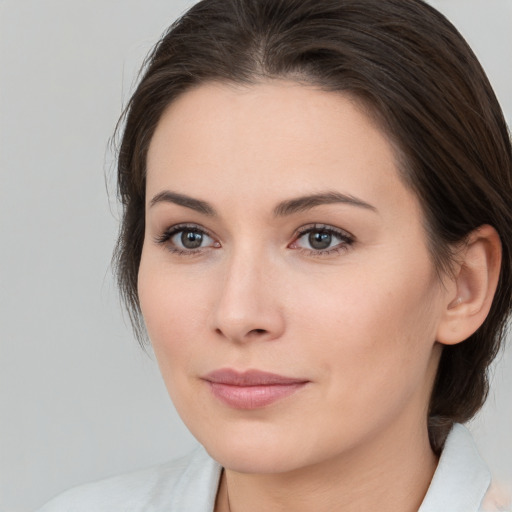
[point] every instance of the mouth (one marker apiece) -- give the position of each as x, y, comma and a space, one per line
253, 389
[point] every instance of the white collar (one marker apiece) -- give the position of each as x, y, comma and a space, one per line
461, 479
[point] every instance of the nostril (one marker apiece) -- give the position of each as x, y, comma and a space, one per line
255, 332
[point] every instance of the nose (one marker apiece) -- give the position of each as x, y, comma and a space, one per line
248, 305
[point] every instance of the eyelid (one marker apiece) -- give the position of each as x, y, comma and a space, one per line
165, 237
324, 227
347, 239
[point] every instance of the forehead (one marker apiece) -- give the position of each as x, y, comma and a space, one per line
275, 138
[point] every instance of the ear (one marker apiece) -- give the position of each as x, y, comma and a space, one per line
472, 288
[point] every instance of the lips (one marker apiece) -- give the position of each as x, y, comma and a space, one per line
252, 389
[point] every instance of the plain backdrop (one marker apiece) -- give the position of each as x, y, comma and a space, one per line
79, 400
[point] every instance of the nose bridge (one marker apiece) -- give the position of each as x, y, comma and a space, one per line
247, 303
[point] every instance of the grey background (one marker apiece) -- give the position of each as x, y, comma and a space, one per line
78, 399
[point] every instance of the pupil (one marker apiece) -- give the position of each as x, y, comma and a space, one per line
320, 240
191, 239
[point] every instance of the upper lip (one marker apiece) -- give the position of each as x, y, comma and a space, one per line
231, 377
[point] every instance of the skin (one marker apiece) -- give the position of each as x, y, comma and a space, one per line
359, 321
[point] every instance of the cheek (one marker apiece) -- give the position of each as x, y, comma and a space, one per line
174, 311
373, 332
172, 314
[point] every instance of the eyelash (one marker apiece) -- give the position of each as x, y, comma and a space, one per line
346, 239
166, 236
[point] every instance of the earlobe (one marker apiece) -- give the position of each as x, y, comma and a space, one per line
475, 283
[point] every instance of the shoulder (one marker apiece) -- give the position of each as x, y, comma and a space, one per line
188, 483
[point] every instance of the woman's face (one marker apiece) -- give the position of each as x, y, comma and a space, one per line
280, 240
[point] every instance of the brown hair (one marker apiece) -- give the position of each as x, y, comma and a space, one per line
415, 74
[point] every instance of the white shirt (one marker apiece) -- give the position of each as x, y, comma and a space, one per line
190, 484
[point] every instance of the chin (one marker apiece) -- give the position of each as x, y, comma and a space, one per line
259, 451
253, 459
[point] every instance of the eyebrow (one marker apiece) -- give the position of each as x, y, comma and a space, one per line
304, 203
167, 196
283, 209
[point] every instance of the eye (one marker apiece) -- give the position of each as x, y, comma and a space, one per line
184, 239
189, 239
321, 239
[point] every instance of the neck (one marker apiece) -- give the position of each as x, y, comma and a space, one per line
390, 472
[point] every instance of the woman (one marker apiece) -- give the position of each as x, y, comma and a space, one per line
317, 239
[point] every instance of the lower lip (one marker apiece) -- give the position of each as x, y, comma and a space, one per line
253, 397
